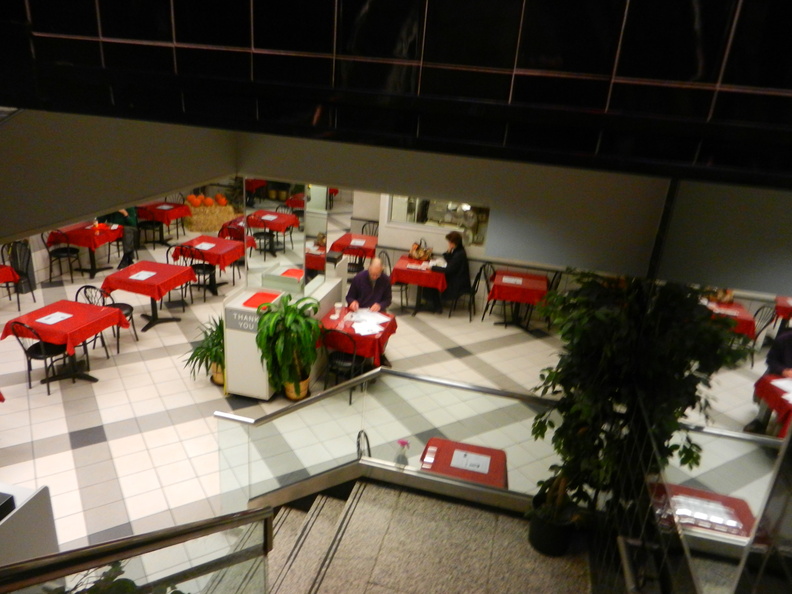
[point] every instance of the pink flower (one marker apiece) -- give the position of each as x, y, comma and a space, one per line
404, 443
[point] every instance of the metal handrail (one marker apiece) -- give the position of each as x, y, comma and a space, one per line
36, 571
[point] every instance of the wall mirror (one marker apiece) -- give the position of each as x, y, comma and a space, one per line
469, 219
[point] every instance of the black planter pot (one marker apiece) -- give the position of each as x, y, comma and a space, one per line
549, 536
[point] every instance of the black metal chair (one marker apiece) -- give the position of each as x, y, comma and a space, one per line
400, 287
58, 249
98, 296
763, 317
288, 210
371, 228
206, 273
16, 254
94, 296
471, 296
36, 349
343, 362
487, 274
264, 237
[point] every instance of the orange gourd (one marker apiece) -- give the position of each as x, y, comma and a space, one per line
221, 200
208, 201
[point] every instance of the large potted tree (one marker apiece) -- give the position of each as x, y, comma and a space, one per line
637, 354
208, 354
287, 337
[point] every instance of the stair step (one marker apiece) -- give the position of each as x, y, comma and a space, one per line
285, 529
316, 533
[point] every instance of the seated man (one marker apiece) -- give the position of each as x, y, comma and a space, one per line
779, 362
127, 218
370, 288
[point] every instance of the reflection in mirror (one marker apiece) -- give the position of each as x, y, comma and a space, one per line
284, 221
470, 220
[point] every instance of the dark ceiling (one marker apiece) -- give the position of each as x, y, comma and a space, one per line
682, 88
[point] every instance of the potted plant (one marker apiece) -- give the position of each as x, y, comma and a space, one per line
209, 353
287, 338
554, 517
636, 354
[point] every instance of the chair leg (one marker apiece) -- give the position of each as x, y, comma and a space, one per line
134, 330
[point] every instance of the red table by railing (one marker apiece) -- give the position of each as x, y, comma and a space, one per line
152, 279
371, 346
465, 461
277, 222
9, 276
418, 273
736, 311
517, 288
69, 323
354, 244
774, 397
215, 251
165, 213
87, 235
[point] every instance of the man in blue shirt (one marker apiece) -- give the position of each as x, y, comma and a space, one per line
370, 288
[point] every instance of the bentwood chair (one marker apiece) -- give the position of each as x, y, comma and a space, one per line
487, 272
264, 237
185, 287
763, 317
205, 272
371, 228
36, 349
16, 254
342, 360
94, 296
471, 296
400, 287
58, 249
98, 296
288, 210
237, 234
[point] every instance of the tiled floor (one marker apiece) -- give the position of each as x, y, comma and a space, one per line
138, 450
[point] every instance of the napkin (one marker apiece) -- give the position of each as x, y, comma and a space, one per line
785, 384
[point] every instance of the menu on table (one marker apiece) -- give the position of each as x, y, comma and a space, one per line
470, 461
357, 242
269, 217
512, 280
142, 275
54, 318
164, 207
205, 245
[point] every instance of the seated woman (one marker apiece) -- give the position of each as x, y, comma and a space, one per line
456, 270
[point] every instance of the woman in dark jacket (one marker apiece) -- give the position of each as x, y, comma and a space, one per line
456, 270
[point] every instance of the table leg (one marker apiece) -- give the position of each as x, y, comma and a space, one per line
72, 371
516, 317
154, 319
93, 269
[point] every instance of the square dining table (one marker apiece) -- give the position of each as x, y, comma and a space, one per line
518, 289
370, 346
418, 273
277, 222
164, 213
215, 251
69, 323
91, 236
153, 279
355, 244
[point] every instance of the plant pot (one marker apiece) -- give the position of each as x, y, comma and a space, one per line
272, 194
283, 195
218, 375
288, 389
549, 537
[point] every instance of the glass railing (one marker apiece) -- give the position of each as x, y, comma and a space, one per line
225, 554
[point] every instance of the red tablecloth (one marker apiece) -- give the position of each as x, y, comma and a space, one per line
276, 221
519, 287
438, 453
297, 202
315, 261
222, 253
412, 276
86, 321
8, 274
235, 229
166, 278
163, 212
253, 184
745, 321
354, 244
84, 235
783, 307
371, 346
773, 396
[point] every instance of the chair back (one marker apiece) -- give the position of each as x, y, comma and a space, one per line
54, 239
386, 262
91, 294
335, 340
476, 281
232, 232
191, 254
284, 208
553, 281
487, 272
763, 317
27, 337
17, 255
371, 228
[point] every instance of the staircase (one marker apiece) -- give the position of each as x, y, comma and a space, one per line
377, 538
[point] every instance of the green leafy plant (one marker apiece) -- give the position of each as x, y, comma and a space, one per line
636, 356
210, 350
286, 338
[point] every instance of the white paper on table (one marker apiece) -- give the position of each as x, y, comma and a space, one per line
366, 328
54, 318
789, 300
114, 226
364, 314
205, 245
512, 280
164, 207
788, 398
470, 461
438, 262
357, 242
269, 218
415, 266
724, 312
142, 275
785, 384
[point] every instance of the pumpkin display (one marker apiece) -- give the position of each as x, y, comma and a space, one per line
208, 201
192, 199
221, 200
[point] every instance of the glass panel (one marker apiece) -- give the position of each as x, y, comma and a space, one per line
469, 220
